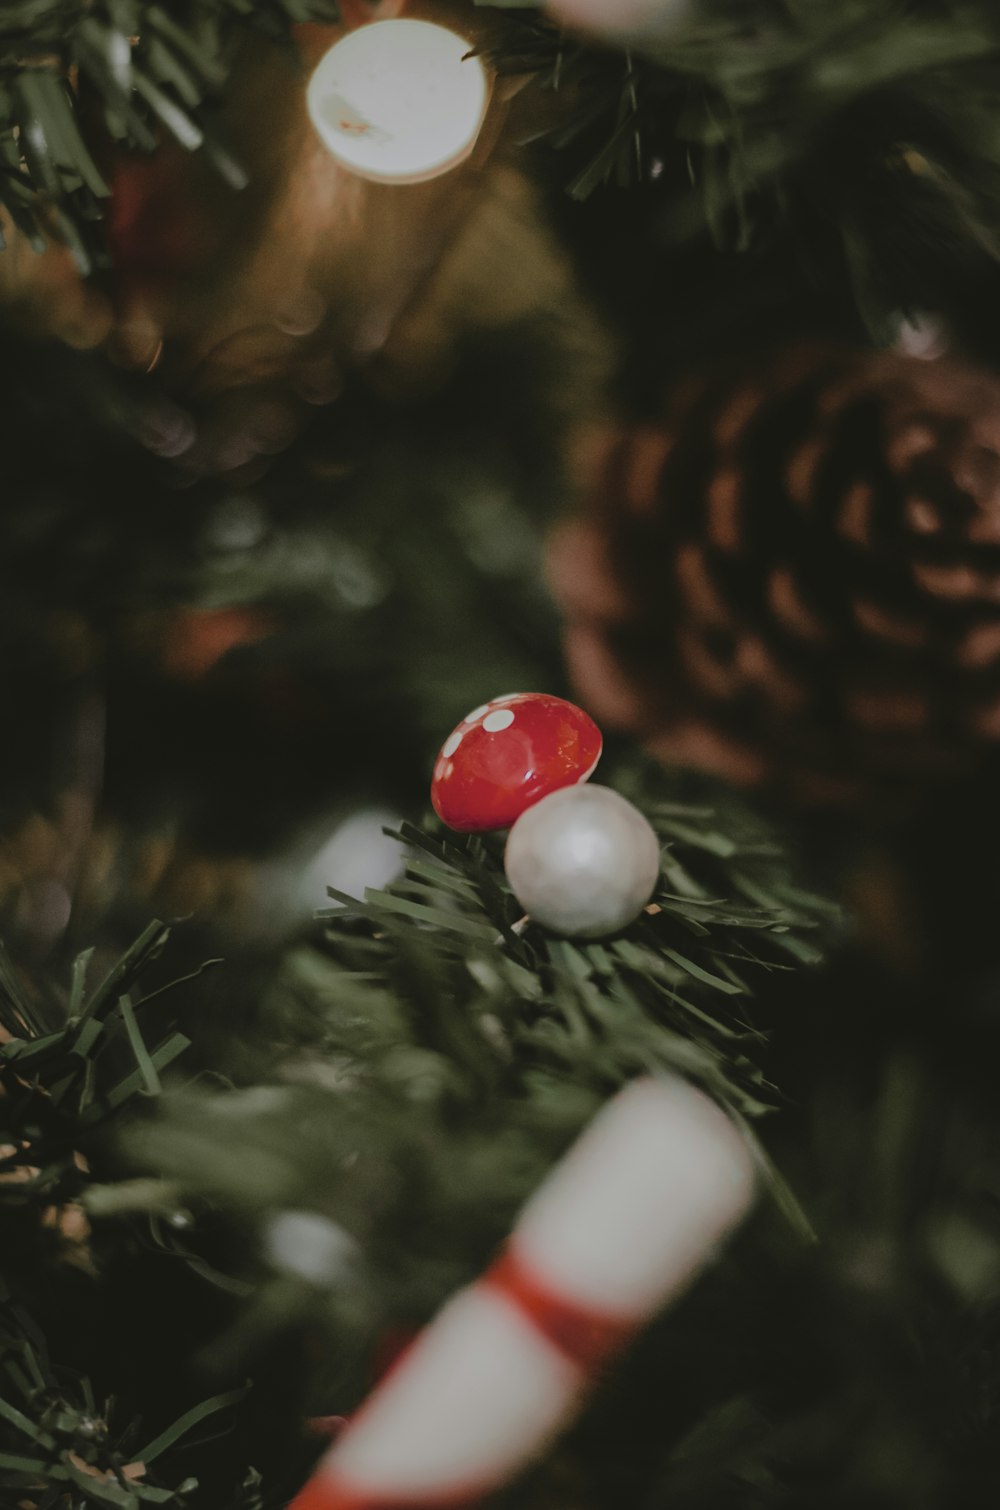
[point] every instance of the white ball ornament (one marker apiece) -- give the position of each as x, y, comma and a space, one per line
308, 1246
582, 862
399, 101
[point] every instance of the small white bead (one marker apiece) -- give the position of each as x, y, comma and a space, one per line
309, 1246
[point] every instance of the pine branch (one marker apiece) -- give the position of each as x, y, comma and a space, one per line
59, 1093
411, 1079
59, 1445
863, 132
154, 70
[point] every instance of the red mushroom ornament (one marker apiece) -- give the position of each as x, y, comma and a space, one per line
508, 754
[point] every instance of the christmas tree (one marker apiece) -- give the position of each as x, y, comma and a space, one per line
394, 1109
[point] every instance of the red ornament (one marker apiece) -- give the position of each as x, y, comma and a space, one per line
506, 755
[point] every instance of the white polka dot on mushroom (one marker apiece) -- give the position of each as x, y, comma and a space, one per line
508, 697
501, 719
470, 718
452, 743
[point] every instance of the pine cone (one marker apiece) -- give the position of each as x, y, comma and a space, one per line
795, 578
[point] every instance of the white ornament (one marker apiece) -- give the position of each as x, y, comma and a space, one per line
582, 861
399, 101
309, 1246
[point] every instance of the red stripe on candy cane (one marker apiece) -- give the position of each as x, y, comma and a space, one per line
585, 1336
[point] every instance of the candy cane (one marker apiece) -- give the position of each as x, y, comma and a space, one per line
622, 1224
